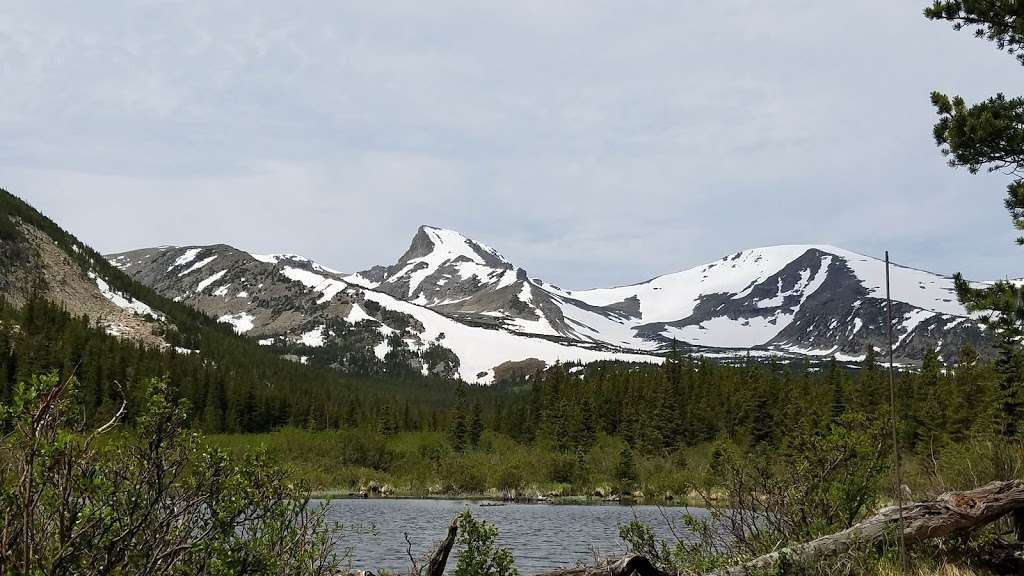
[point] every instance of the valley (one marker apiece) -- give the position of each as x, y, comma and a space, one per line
340, 288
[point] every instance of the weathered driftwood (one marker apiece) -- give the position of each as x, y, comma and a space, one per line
951, 514
440, 558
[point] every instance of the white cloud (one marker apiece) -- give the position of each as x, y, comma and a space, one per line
594, 142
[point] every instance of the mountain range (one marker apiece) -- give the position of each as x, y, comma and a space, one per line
454, 306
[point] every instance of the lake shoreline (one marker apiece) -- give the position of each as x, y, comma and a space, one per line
494, 501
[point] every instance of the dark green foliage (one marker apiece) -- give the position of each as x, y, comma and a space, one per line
400, 360
815, 483
232, 386
441, 361
459, 431
1000, 21
625, 471
480, 555
835, 382
990, 135
150, 500
9, 231
475, 427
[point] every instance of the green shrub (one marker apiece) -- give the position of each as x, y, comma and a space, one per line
150, 500
480, 556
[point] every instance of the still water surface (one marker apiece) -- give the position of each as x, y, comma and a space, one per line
542, 537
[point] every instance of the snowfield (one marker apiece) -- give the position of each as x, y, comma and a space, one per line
480, 349
130, 304
242, 322
328, 287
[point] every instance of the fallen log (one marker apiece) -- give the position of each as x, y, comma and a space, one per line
949, 515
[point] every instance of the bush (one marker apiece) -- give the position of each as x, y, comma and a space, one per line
819, 483
149, 500
480, 556
369, 450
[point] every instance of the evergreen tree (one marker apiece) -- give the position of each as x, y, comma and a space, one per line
929, 414
625, 471
475, 428
990, 135
351, 417
870, 362
586, 432
967, 399
1010, 366
836, 385
459, 431
763, 429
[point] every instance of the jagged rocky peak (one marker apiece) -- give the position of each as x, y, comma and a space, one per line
441, 267
433, 242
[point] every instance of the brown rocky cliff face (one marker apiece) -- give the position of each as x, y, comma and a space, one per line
44, 268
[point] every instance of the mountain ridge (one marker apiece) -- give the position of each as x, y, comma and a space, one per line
789, 300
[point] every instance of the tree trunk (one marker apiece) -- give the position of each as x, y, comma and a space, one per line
440, 558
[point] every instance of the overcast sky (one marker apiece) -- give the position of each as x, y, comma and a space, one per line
593, 143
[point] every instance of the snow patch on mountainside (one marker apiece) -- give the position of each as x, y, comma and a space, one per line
804, 287
923, 289
209, 281
480, 350
911, 321
242, 322
279, 258
198, 265
130, 304
328, 287
314, 338
724, 332
185, 258
674, 296
357, 315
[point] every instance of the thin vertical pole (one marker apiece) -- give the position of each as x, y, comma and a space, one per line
892, 408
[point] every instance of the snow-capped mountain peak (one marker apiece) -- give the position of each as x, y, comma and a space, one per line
807, 299
672, 295
439, 267
448, 290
